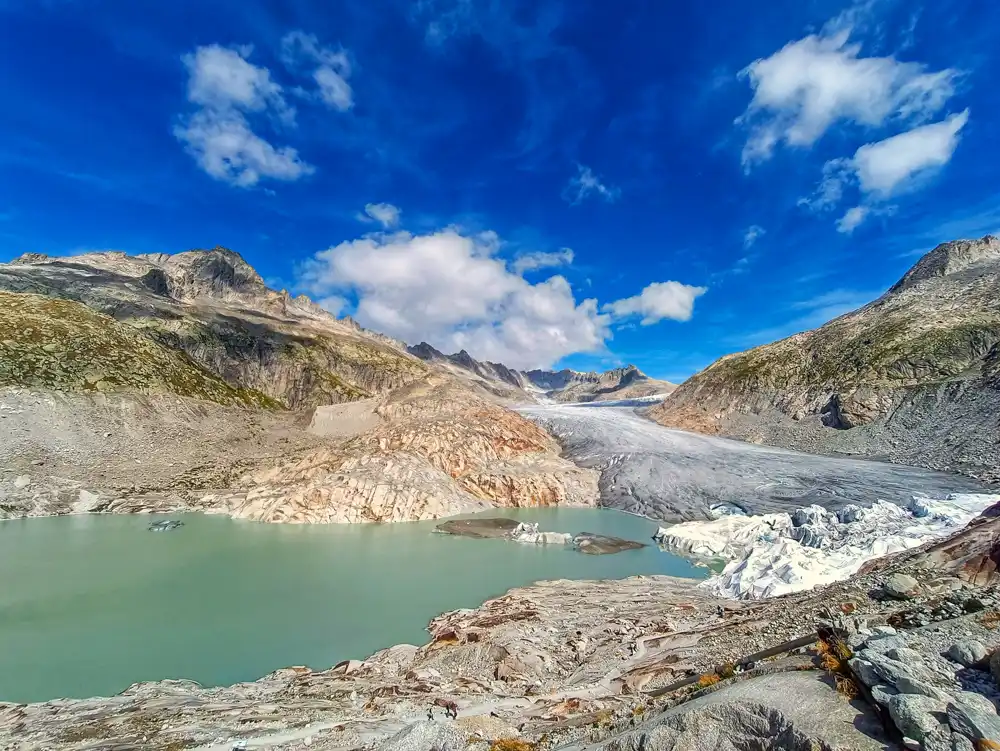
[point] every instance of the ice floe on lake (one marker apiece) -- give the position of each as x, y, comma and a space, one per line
774, 554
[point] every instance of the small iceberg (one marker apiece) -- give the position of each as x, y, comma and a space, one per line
165, 526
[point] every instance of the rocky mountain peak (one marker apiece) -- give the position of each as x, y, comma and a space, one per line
216, 272
951, 258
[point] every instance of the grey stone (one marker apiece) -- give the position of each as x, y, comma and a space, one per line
914, 715
901, 586
967, 652
960, 743
424, 735
882, 692
973, 721
882, 644
905, 655
884, 630
866, 671
907, 684
995, 667
938, 740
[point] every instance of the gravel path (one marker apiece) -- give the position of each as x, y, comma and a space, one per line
673, 475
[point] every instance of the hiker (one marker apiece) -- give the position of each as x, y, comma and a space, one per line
430, 713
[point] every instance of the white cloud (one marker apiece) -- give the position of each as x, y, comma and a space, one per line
332, 71
384, 213
585, 183
542, 260
452, 290
226, 148
852, 218
886, 167
226, 86
804, 88
658, 301
333, 304
221, 78
753, 234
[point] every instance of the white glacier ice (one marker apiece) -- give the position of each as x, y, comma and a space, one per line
771, 555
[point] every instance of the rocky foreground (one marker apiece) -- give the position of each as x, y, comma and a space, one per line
903, 654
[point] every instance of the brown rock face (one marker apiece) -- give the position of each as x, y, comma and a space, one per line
440, 450
973, 554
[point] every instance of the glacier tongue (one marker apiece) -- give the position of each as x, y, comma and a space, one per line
774, 554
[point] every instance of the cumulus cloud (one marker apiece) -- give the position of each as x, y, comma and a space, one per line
331, 72
452, 289
384, 213
753, 234
585, 183
227, 149
889, 166
804, 88
226, 86
886, 168
658, 301
542, 260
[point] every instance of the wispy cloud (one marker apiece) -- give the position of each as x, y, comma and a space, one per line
753, 233
226, 86
585, 184
331, 68
807, 86
542, 260
384, 213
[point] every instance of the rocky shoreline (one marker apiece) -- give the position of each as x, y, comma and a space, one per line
610, 665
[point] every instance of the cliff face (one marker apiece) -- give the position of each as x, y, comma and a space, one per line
562, 385
214, 307
926, 350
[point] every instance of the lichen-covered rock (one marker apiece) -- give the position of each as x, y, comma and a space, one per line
967, 652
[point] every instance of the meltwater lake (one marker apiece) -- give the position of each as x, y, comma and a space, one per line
91, 604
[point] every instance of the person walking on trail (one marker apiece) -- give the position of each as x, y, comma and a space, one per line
430, 713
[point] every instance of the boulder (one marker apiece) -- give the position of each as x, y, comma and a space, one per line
901, 587
995, 666
974, 721
914, 715
967, 652
588, 542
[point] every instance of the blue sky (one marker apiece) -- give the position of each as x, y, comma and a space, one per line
582, 183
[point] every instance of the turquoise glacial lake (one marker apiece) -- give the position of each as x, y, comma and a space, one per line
91, 604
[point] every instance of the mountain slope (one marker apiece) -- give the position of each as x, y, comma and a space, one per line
214, 307
562, 386
912, 375
141, 381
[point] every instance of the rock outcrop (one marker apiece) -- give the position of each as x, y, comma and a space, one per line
900, 377
438, 451
561, 386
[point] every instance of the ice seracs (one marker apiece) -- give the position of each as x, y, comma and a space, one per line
774, 554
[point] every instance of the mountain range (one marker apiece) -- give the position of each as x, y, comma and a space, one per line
561, 386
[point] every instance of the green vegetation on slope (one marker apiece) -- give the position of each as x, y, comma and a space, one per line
64, 345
